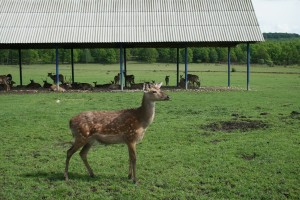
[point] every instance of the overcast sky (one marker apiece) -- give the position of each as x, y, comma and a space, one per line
278, 15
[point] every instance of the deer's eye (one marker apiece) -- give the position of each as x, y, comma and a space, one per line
154, 92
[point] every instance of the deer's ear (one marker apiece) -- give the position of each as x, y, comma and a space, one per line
146, 87
159, 85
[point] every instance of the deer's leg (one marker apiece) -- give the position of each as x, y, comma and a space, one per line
132, 161
7, 87
77, 145
83, 154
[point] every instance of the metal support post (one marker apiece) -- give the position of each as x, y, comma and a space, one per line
228, 60
186, 68
248, 66
121, 67
20, 67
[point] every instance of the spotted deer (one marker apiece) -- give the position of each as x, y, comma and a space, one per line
113, 127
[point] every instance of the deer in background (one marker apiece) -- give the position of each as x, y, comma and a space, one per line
53, 77
46, 84
117, 79
193, 79
81, 86
129, 79
5, 81
113, 127
33, 85
167, 79
57, 88
181, 82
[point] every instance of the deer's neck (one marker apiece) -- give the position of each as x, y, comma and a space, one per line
147, 112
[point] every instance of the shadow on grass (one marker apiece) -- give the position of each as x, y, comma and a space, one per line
54, 176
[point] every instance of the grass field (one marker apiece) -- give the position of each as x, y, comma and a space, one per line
231, 144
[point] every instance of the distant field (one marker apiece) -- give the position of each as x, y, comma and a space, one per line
202, 145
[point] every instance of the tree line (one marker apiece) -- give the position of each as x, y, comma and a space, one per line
271, 52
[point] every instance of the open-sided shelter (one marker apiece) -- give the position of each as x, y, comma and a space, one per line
127, 24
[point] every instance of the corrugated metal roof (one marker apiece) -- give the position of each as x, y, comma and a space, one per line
127, 21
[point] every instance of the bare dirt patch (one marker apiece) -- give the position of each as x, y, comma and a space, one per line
236, 125
295, 115
167, 88
249, 156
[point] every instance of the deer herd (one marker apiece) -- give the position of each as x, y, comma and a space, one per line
6, 83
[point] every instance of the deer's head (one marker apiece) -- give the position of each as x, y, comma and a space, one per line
153, 92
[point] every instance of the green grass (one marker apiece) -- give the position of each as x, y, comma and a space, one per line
178, 159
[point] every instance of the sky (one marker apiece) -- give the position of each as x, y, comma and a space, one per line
282, 16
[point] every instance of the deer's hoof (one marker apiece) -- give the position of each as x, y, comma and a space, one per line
66, 177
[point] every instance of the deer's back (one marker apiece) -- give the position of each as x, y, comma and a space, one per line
121, 125
193, 77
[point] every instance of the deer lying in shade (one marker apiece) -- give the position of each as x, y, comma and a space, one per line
57, 88
33, 85
113, 127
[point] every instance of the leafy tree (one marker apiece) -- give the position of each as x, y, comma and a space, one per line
111, 56
101, 54
85, 56
30, 56
213, 55
281, 49
76, 55
233, 57
173, 55
46, 56
163, 55
260, 55
241, 55
196, 55
222, 54
64, 55
204, 55
4, 56
148, 55
274, 50
182, 55
280, 35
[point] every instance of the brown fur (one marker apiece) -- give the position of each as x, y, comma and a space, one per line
4, 81
112, 127
33, 85
117, 78
53, 77
57, 88
129, 79
193, 79
46, 84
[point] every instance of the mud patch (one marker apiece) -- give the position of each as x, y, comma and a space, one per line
295, 115
236, 125
249, 156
